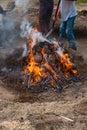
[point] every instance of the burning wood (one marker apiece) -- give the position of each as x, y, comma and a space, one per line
47, 66
44, 65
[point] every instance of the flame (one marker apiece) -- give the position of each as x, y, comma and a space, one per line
47, 64
38, 72
50, 68
34, 68
43, 51
35, 29
68, 65
74, 71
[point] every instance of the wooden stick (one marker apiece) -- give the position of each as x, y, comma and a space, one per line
66, 118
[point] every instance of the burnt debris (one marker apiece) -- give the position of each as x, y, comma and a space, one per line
45, 67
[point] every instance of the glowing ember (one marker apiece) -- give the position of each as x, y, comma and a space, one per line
67, 64
55, 74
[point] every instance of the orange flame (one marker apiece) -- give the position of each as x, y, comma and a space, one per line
68, 65
35, 29
33, 66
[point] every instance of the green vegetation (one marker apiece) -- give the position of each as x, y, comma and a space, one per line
82, 1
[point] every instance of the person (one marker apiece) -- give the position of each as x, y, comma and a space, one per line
45, 13
68, 14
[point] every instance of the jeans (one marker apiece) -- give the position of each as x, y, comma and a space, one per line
66, 31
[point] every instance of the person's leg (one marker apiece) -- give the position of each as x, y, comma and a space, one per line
62, 32
70, 34
49, 14
42, 17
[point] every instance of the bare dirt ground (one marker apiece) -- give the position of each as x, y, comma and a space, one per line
66, 110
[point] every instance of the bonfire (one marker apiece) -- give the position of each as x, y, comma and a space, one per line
47, 65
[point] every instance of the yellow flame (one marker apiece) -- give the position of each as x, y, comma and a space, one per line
33, 66
68, 65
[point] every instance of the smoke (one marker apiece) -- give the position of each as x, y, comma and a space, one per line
8, 29
24, 51
24, 4
28, 31
10, 23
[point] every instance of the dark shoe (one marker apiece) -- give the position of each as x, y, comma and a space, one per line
1, 45
73, 47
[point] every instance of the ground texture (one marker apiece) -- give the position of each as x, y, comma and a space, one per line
48, 110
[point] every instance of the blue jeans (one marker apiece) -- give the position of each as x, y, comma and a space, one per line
66, 31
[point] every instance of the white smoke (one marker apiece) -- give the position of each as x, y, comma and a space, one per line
27, 31
24, 4
9, 23
25, 50
8, 28
0, 21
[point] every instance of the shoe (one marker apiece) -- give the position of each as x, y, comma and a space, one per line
1, 46
73, 47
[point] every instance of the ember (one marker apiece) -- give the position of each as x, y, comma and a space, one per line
48, 66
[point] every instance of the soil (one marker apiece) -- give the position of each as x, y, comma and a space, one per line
65, 110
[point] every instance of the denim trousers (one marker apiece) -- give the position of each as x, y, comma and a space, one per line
66, 31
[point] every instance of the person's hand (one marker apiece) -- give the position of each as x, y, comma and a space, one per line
54, 18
